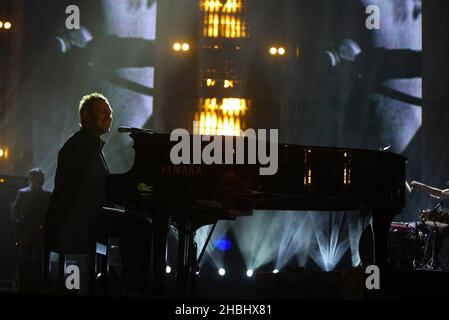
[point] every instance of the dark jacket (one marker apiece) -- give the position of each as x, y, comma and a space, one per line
28, 211
78, 196
30, 206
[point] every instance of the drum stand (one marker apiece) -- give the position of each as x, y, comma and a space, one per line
433, 262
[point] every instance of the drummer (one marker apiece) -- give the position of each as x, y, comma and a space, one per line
443, 244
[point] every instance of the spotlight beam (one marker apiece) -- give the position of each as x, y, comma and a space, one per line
206, 243
330, 247
295, 239
128, 84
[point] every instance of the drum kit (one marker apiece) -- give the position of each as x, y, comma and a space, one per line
435, 218
414, 245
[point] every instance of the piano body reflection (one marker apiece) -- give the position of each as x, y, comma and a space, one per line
308, 179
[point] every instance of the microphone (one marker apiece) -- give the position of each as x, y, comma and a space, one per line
135, 130
377, 63
346, 50
68, 40
106, 51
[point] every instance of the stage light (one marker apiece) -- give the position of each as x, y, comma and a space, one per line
185, 47
221, 272
281, 51
177, 46
273, 51
228, 84
1, 24
249, 273
7, 25
3, 153
275, 271
167, 269
223, 244
210, 82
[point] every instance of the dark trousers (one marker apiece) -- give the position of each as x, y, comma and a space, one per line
135, 236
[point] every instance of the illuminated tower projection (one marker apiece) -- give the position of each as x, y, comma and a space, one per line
222, 105
216, 73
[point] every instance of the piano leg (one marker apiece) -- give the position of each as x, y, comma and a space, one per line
160, 235
193, 263
382, 218
186, 257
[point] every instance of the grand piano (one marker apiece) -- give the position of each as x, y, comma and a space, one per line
308, 179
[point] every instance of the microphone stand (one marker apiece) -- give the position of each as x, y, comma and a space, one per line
433, 263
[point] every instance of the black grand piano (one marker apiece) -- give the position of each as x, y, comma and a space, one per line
308, 179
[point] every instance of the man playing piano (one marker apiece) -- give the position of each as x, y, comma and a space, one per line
75, 219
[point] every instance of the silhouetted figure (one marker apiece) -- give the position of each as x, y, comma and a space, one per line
78, 195
28, 213
75, 219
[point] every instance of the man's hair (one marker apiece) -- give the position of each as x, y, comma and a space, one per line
37, 174
87, 102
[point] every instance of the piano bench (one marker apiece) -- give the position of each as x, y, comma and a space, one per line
99, 255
